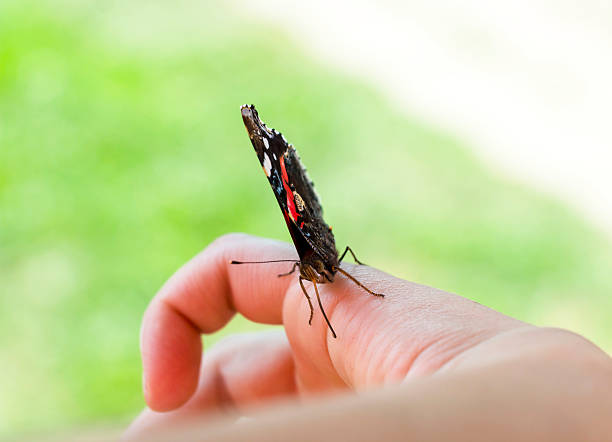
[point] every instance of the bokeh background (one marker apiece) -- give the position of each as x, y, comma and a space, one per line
465, 148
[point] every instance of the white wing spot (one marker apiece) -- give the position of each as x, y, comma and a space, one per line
274, 156
267, 164
266, 143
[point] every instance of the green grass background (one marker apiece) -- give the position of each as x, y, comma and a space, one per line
122, 154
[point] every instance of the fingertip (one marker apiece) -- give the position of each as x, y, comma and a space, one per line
170, 391
175, 395
171, 361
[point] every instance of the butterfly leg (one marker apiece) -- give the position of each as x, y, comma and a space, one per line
352, 278
308, 299
348, 249
322, 310
295, 266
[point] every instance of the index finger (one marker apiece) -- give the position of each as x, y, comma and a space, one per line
202, 297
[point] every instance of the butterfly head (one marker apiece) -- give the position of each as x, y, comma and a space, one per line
313, 269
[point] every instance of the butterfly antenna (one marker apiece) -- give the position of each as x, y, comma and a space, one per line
263, 262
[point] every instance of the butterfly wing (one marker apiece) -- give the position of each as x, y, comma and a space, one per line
293, 190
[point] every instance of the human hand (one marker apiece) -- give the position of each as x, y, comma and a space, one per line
413, 333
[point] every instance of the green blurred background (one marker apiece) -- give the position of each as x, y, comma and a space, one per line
122, 154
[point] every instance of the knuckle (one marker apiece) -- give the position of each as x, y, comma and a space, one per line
225, 243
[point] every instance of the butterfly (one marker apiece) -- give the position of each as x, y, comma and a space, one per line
301, 208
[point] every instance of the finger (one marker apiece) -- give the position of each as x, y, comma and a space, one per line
413, 330
238, 372
245, 369
200, 298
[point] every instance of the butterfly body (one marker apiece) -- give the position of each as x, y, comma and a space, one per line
300, 205
294, 191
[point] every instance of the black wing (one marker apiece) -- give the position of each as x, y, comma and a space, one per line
293, 189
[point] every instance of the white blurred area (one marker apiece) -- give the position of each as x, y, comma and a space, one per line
527, 84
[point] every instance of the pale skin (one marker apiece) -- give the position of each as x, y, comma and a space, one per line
427, 365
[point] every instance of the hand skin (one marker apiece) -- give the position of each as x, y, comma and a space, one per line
426, 365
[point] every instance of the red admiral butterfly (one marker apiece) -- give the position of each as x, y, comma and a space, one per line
312, 237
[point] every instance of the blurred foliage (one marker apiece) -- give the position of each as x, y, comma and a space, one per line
122, 154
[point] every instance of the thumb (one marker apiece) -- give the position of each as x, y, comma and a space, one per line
414, 330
